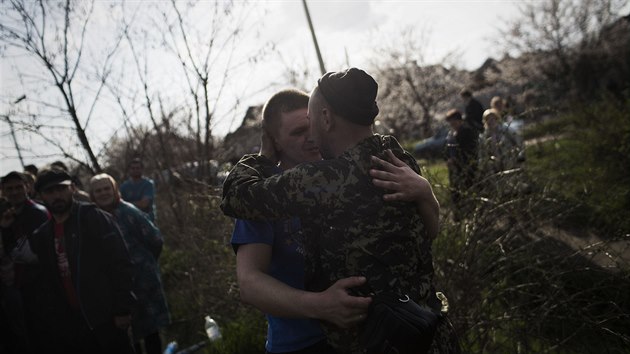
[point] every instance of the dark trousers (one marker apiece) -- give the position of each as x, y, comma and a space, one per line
152, 344
14, 335
71, 335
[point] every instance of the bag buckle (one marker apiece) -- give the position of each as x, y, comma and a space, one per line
406, 299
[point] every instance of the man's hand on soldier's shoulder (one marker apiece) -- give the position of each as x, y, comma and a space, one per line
403, 183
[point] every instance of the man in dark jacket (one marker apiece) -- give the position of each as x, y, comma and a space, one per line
461, 158
19, 217
85, 275
473, 111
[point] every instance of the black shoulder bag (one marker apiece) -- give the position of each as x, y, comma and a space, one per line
397, 324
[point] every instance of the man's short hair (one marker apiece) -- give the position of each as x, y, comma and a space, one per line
282, 102
453, 114
51, 177
12, 176
465, 93
32, 169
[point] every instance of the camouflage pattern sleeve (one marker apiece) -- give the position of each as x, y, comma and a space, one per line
251, 192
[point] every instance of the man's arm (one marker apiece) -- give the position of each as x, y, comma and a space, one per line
118, 266
142, 204
147, 233
300, 191
407, 185
276, 298
148, 194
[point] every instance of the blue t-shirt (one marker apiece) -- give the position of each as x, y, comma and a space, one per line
287, 265
132, 191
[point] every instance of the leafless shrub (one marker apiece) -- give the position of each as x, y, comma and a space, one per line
518, 283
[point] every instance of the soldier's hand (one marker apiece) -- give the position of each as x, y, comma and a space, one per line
267, 147
339, 307
403, 182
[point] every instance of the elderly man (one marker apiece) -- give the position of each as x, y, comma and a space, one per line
350, 230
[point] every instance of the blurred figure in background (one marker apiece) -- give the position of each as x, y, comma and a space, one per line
144, 242
499, 147
19, 217
500, 105
473, 112
461, 159
139, 190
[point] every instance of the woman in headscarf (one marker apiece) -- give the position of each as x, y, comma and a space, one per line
144, 243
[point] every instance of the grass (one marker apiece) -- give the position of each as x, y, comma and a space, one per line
588, 167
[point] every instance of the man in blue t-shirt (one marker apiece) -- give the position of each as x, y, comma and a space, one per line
269, 257
139, 190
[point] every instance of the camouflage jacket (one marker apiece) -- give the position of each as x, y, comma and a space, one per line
347, 228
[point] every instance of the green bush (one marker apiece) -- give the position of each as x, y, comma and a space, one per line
517, 283
199, 273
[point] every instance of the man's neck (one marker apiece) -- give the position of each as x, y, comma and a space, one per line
136, 179
350, 138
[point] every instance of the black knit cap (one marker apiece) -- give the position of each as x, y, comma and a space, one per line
50, 178
351, 94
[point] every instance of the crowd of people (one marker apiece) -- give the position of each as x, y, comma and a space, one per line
79, 272
479, 145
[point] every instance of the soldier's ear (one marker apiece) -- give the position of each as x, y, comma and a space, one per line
328, 119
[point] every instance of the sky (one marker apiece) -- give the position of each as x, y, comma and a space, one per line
351, 26
349, 34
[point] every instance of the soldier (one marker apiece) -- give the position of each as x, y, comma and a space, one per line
351, 229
